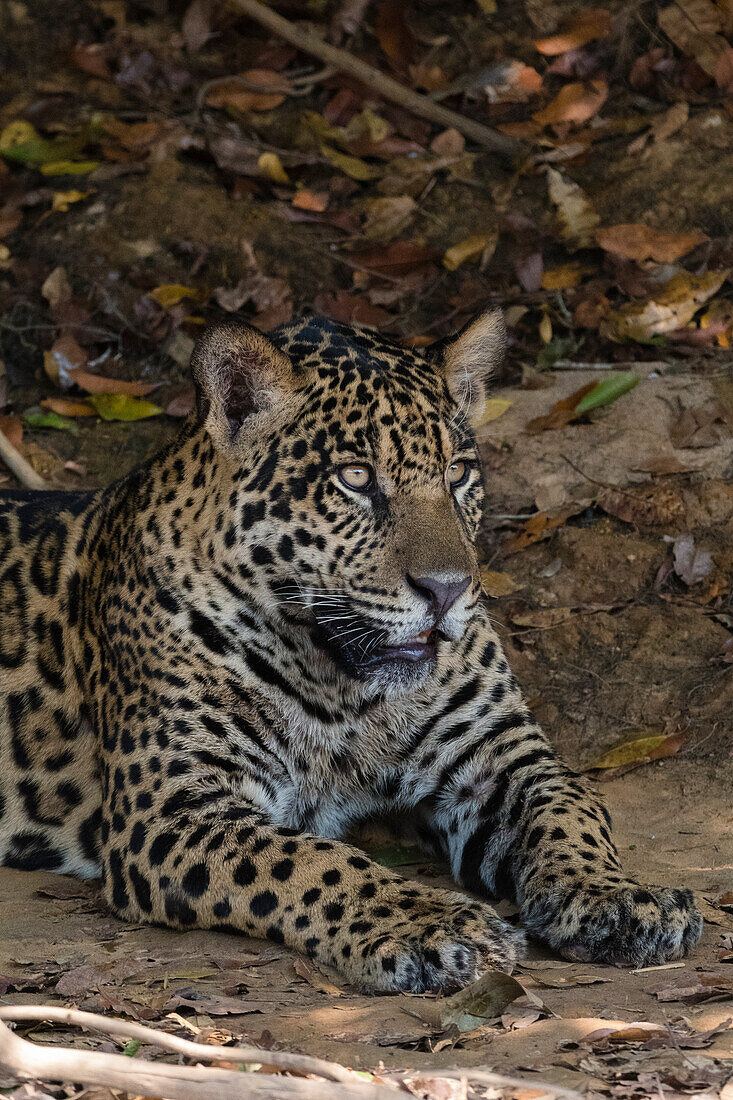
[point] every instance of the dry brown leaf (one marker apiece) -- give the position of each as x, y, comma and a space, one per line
661, 465
585, 25
316, 201
350, 309
134, 136
449, 143
56, 288
9, 220
498, 584
196, 25
396, 259
387, 217
667, 309
639, 750
577, 217
393, 33
700, 426
633, 1034
694, 26
697, 988
304, 968
61, 359
242, 92
90, 59
671, 121
541, 525
96, 383
64, 407
12, 428
561, 413
483, 1000
642, 242
574, 103
656, 505
514, 82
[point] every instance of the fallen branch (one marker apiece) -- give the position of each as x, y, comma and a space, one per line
384, 85
298, 1063
17, 465
140, 1078
119, 1071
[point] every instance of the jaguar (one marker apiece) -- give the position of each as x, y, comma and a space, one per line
274, 629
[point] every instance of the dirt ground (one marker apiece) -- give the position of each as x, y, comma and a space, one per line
607, 541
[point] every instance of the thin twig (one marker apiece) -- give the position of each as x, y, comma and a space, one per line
607, 485
379, 82
300, 1063
17, 465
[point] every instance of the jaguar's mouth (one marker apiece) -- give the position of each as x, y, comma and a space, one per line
420, 648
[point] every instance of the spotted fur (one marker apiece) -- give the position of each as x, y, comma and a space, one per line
211, 669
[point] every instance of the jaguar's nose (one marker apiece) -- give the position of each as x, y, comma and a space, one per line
441, 594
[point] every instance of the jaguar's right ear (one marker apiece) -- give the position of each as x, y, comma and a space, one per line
238, 373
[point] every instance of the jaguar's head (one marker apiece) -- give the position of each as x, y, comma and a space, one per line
356, 491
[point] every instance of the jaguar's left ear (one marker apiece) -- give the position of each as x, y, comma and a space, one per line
469, 359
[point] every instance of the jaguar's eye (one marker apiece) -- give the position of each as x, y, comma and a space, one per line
457, 474
358, 478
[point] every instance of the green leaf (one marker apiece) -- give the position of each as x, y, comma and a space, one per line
36, 418
607, 391
119, 406
131, 1048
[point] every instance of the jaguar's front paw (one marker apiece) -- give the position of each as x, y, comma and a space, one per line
444, 942
631, 925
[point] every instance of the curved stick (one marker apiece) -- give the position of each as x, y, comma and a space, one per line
140, 1078
299, 1063
384, 85
17, 465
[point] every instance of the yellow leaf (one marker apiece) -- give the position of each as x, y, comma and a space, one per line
469, 249
17, 133
271, 166
119, 406
69, 167
488, 7
546, 328
498, 584
565, 276
639, 750
494, 408
62, 200
170, 294
351, 166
